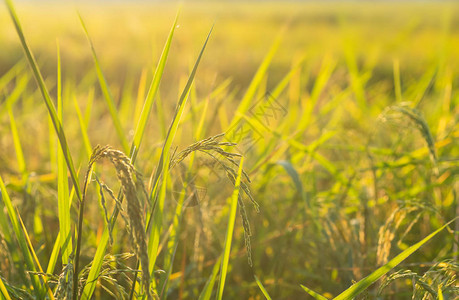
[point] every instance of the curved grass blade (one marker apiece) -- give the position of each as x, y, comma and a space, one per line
11, 73
4, 290
21, 85
138, 135
316, 295
34, 255
206, 292
54, 254
37, 288
171, 135
46, 97
106, 92
262, 288
229, 231
363, 284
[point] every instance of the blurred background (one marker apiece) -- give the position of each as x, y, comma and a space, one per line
340, 159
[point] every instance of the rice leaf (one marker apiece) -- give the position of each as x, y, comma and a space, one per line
4, 290
262, 288
12, 97
101, 248
154, 86
37, 288
54, 254
62, 180
176, 119
46, 97
206, 292
106, 92
17, 144
315, 295
34, 255
229, 231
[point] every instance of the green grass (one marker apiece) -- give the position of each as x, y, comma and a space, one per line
344, 174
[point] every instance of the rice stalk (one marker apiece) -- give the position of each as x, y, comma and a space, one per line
65, 283
127, 176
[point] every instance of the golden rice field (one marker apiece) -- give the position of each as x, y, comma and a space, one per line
220, 150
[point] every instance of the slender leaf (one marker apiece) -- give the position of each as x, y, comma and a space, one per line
38, 290
176, 119
106, 92
46, 97
206, 292
154, 86
262, 288
34, 255
62, 180
4, 290
229, 231
316, 295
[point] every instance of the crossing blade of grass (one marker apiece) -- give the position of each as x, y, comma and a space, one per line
440, 293
96, 266
62, 180
316, 295
138, 135
46, 97
106, 92
21, 85
206, 292
229, 231
363, 284
262, 288
154, 86
4, 291
54, 254
166, 152
177, 220
175, 122
11, 74
37, 288
422, 86
34, 255
155, 234
172, 243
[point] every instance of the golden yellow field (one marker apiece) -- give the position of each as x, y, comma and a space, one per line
327, 163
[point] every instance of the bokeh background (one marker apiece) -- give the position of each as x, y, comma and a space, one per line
344, 181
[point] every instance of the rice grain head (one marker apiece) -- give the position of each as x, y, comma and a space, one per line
127, 176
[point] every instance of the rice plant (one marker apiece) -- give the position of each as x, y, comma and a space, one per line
331, 128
